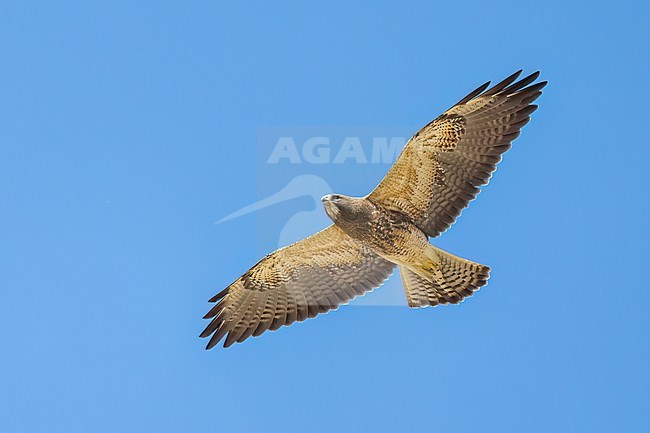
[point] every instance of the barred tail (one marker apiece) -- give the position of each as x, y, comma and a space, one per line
448, 280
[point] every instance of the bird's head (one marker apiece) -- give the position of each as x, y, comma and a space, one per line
339, 206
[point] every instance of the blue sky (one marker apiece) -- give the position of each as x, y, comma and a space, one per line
128, 128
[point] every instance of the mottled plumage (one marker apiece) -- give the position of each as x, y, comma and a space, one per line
435, 177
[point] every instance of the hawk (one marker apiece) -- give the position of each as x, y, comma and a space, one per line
437, 174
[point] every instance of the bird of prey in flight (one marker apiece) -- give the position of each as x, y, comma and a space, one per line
437, 174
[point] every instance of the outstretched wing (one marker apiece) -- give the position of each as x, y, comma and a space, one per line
443, 165
312, 276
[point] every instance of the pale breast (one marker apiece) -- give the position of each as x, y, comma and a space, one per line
388, 233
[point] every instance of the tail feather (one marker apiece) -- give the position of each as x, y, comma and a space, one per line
448, 281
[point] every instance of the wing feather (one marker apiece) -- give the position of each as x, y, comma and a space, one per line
443, 166
312, 276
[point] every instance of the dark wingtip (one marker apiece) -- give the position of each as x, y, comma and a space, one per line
219, 295
507, 86
230, 339
211, 344
503, 83
217, 336
531, 90
512, 88
473, 94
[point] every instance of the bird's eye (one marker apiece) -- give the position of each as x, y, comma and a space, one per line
336, 197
